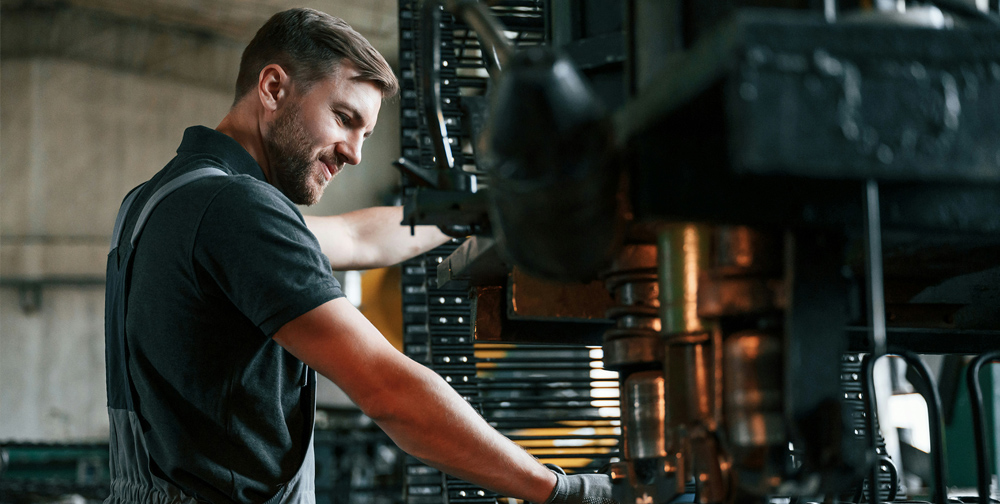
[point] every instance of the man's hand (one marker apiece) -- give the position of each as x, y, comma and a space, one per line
580, 488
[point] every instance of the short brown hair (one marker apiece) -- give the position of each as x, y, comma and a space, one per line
308, 44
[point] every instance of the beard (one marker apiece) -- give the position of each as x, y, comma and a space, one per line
290, 159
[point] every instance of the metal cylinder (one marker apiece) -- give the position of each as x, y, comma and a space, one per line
643, 415
682, 258
753, 389
690, 375
753, 403
633, 282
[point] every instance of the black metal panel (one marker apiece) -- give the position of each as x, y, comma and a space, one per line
866, 100
773, 118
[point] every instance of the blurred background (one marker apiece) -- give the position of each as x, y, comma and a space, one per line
94, 98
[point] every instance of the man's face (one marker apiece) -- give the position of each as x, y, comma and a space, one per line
317, 132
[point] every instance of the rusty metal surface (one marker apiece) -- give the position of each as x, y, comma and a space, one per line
491, 323
487, 313
720, 297
535, 298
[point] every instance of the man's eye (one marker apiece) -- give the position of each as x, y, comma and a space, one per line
343, 118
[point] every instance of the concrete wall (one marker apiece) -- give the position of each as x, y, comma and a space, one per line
74, 138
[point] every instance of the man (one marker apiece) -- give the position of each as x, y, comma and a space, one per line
221, 302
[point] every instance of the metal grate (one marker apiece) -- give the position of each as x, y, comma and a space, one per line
463, 74
855, 400
556, 401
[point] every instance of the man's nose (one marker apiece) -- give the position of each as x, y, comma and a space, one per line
350, 150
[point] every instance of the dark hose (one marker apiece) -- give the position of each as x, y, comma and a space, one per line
936, 421
979, 423
868, 370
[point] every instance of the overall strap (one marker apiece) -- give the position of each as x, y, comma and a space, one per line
168, 188
122, 212
132, 469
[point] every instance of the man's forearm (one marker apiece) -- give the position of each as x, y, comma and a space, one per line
437, 426
422, 413
371, 238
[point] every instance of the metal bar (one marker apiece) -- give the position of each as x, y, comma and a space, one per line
523, 384
543, 438
873, 269
547, 379
979, 423
523, 421
541, 404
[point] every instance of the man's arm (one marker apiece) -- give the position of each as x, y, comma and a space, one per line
412, 404
371, 238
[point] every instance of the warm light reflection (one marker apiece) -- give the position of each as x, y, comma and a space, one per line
490, 354
573, 443
569, 451
603, 374
690, 249
702, 394
609, 412
605, 393
603, 384
604, 403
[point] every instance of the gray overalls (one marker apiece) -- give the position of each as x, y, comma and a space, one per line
132, 477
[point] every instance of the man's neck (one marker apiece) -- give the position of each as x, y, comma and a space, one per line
240, 125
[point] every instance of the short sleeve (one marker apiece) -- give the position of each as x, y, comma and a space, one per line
255, 247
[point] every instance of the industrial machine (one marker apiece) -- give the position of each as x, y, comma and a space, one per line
745, 203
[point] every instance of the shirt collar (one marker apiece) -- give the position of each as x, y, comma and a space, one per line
209, 141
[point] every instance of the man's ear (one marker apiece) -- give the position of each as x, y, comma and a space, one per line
273, 86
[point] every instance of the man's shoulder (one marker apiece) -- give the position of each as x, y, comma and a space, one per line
234, 188
242, 192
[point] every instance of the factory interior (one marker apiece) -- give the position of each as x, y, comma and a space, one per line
721, 251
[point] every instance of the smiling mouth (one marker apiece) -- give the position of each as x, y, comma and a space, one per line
329, 170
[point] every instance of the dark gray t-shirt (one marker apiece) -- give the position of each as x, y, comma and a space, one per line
221, 265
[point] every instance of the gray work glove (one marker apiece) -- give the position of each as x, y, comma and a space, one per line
580, 488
